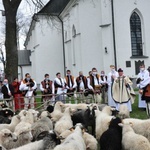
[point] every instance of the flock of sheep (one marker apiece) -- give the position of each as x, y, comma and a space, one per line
73, 127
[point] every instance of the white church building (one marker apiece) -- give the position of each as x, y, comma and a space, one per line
81, 34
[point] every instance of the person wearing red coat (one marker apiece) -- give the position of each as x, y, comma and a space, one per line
18, 99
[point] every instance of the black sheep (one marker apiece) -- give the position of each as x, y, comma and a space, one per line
6, 112
5, 115
50, 108
86, 117
4, 120
111, 139
50, 139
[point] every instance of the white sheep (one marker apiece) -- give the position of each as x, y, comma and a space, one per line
24, 137
102, 122
64, 122
7, 136
57, 113
35, 114
123, 112
44, 124
133, 141
75, 106
15, 120
44, 114
140, 126
27, 120
48, 142
108, 110
37, 145
90, 141
73, 142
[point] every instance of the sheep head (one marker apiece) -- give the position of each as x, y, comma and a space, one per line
6, 136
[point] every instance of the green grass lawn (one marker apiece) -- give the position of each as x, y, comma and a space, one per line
138, 112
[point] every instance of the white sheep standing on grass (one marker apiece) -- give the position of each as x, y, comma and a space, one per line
133, 141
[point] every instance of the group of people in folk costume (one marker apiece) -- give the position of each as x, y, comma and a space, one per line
114, 89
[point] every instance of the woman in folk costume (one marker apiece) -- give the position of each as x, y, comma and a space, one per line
18, 99
143, 83
113, 74
122, 91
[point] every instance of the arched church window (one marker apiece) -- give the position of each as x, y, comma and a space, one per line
73, 31
136, 35
66, 35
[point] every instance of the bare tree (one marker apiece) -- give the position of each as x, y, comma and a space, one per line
11, 8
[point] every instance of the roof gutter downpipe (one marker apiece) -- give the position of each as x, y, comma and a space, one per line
113, 29
63, 40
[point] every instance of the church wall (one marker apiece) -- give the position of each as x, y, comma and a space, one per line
46, 49
122, 12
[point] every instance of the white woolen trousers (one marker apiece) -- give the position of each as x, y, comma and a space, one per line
27, 101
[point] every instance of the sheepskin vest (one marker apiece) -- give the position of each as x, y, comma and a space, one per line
92, 80
47, 85
68, 80
83, 78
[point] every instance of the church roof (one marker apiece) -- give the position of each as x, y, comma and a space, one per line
23, 57
54, 7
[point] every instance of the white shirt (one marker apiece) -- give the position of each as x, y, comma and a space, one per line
53, 88
74, 85
61, 83
109, 79
96, 82
144, 75
24, 87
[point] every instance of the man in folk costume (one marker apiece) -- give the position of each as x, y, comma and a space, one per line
104, 87
94, 83
81, 85
28, 87
70, 83
47, 89
60, 87
8, 92
113, 74
143, 81
122, 91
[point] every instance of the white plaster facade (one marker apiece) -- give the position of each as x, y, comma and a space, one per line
88, 33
